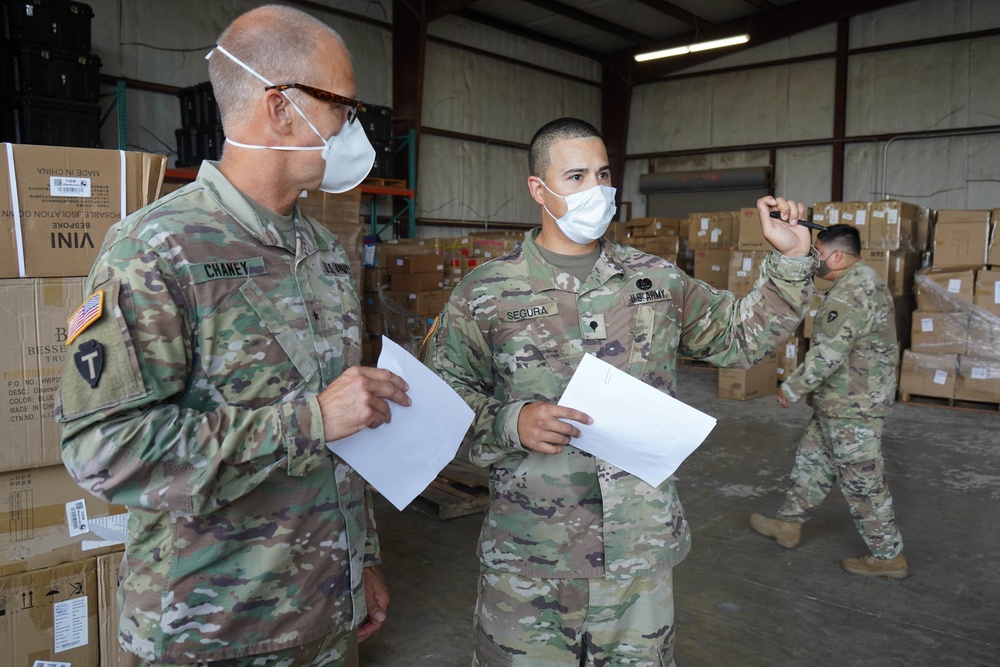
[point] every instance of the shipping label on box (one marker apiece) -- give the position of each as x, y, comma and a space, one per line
826, 213
744, 269
893, 225
61, 202
46, 519
36, 313
856, 214
945, 291
710, 231
50, 615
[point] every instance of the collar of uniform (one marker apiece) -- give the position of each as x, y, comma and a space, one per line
543, 276
233, 201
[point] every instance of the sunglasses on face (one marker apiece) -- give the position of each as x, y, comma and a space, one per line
354, 106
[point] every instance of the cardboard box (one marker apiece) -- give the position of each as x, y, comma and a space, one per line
653, 227
961, 238
897, 268
790, 355
428, 302
417, 282
928, 374
939, 333
826, 213
810, 317
388, 249
747, 233
342, 208
893, 225
424, 263
45, 518
978, 379
107, 607
988, 291
710, 231
945, 291
661, 246
993, 257
712, 267
744, 269
856, 214
33, 325
66, 200
740, 384
50, 615
375, 277
903, 309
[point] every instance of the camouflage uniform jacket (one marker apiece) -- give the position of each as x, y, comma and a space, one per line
245, 533
515, 330
850, 370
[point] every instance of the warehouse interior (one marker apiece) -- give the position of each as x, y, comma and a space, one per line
878, 113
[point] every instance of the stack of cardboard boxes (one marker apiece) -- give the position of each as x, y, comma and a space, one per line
955, 349
57, 205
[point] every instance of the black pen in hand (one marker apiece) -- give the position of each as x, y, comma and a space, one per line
805, 223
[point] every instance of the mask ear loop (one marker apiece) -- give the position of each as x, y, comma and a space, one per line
268, 83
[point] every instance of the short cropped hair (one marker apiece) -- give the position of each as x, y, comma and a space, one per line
842, 237
539, 157
277, 42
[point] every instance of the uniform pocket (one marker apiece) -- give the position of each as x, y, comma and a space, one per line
250, 353
488, 654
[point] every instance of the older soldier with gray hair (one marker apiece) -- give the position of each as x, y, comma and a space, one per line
849, 379
218, 354
577, 555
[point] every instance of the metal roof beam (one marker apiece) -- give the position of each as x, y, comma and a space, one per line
676, 12
528, 33
590, 20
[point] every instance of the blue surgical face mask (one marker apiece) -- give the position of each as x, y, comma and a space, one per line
588, 213
348, 154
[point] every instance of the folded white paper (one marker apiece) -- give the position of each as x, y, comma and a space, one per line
636, 428
401, 458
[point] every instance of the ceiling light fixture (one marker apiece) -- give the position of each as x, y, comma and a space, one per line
692, 48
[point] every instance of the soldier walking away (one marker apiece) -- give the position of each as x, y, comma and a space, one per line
849, 379
218, 355
577, 555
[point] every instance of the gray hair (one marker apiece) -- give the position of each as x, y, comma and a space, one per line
277, 42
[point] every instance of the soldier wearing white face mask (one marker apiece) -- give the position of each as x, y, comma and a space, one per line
577, 555
223, 334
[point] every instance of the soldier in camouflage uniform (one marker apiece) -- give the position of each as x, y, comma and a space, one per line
217, 358
576, 554
849, 379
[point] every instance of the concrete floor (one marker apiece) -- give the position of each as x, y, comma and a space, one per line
742, 600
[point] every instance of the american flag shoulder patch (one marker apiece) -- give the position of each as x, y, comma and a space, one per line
85, 315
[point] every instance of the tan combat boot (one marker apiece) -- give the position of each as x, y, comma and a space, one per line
786, 533
870, 566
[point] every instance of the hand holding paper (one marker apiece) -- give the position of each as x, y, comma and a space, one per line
400, 458
636, 428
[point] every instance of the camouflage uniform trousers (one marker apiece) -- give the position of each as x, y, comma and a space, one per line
848, 450
337, 649
523, 622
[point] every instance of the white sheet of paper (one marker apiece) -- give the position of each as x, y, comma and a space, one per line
402, 457
636, 428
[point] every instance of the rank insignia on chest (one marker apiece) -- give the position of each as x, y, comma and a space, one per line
649, 296
85, 315
89, 360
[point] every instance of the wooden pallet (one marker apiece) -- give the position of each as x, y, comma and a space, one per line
951, 403
459, 490
386, 182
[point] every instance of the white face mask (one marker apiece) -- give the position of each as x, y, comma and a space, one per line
588, 213
349, 155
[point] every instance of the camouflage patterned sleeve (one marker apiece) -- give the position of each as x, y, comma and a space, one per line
832, 340
463, 358
150, 433
373, 550
727, 331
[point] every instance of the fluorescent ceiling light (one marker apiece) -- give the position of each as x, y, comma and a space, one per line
693, 48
